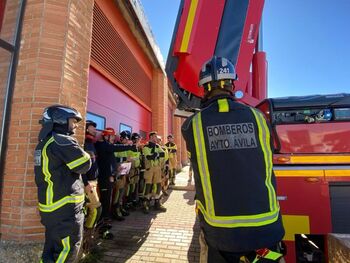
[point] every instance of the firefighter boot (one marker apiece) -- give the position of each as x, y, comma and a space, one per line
117, 214
158, 206
146, 206
124, 211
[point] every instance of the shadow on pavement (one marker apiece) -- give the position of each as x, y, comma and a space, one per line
129, 236
194, 249
189, 197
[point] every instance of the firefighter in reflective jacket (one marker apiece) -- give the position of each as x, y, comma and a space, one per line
93, 204
172, 149
231, 153
133, 197
153, 153
59, 161
119, 205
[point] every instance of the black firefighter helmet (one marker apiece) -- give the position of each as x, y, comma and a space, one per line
55, 118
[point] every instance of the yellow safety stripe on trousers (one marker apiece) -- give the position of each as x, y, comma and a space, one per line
65, 251
264, 138
91, 218
70, 199
223, 105
208, 211
46, 172
270, 255
79, 161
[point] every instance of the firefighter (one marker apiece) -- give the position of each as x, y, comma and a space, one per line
164, 164
119, 207
58, 162
172, 149
231, 154
107, 168
133, 197
93, 204
152, 153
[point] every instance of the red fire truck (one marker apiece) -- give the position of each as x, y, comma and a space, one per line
311, 133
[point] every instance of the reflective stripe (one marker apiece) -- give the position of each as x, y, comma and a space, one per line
91, 218
238, 221
72, 199
80, 161
208, 210
223, 105
203, 163
65, 251
46, 172
264, 138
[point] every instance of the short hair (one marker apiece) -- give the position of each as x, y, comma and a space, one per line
152, 133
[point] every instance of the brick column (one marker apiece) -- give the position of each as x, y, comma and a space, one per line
159, 105
53, 68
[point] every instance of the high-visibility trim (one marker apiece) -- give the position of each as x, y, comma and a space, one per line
203, 163
91, 218
238, 221
264, 136
46, 172
65, 251
79, 161
223, 105
144, 190
222, 84
116, 197
208, 210
127, 190
189, 25
70, 199
209, 86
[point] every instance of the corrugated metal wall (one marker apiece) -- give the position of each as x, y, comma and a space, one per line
111, 52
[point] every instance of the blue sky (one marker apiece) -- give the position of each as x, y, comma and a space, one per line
307, 43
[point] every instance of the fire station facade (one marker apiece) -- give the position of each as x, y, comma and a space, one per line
96, 56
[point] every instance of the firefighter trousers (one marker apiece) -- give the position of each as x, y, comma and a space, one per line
209, 254
63, 239
93, 205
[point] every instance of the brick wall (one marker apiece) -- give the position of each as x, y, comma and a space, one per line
8, 16
53, 68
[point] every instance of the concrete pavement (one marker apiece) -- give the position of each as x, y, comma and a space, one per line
158, 237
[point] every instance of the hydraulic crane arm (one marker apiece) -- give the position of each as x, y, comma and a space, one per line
227, 28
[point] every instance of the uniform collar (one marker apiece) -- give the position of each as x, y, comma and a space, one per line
215, 98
